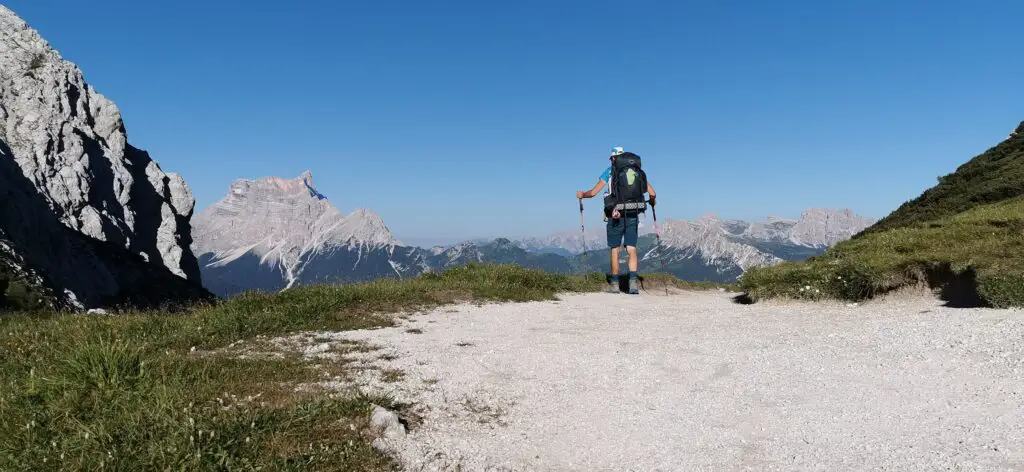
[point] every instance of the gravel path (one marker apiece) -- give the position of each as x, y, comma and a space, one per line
693, 381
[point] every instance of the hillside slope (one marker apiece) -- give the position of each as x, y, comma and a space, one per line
964, 238
993, 176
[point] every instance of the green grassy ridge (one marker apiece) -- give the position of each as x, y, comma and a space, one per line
125, 392
982, 247
993, 176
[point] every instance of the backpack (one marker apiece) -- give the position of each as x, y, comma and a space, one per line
628, 185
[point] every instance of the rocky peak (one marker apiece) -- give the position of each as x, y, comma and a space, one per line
276, 188
774, 229
365, 226
712, 243
307, 178
1019, 131
283, 221
819, 227
709, 219
65, 145
744, 244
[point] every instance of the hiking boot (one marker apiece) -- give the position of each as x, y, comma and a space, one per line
612, 287
633, 290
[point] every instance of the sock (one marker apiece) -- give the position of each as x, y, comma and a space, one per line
615, 279
632, 275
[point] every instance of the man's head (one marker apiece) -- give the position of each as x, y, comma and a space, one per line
615, 152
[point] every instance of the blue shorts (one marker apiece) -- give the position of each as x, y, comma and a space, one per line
623, 228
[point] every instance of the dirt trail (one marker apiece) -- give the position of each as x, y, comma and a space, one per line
695, 382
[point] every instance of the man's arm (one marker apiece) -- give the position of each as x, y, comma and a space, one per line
652, 193
590, 193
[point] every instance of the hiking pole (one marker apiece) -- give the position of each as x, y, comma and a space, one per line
657, 235
583, 237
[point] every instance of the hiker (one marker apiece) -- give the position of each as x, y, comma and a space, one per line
624, 201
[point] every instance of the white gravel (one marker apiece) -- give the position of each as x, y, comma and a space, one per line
695, 382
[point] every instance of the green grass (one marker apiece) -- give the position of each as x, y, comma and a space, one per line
127, 392
982, 248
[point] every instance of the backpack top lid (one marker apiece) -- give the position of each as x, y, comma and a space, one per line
626, 159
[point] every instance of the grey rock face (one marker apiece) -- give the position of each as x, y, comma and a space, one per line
710, 240
274, 233
733, 243
825, 228
771, 230
66, 160
283, 218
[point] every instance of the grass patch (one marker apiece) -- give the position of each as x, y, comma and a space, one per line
392, 375
127, 392
978, 253
485, 414
660, 280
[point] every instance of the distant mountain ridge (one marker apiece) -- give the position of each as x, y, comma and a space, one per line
817, 228
274, 233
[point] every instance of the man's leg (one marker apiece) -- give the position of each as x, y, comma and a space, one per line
615, 233
631, 250
631, 236
615, 261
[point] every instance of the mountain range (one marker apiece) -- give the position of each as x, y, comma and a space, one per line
274, 233
89, 220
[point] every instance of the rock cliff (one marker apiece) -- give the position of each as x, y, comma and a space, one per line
92, 217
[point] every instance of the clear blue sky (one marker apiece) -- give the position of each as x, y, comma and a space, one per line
459, 119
